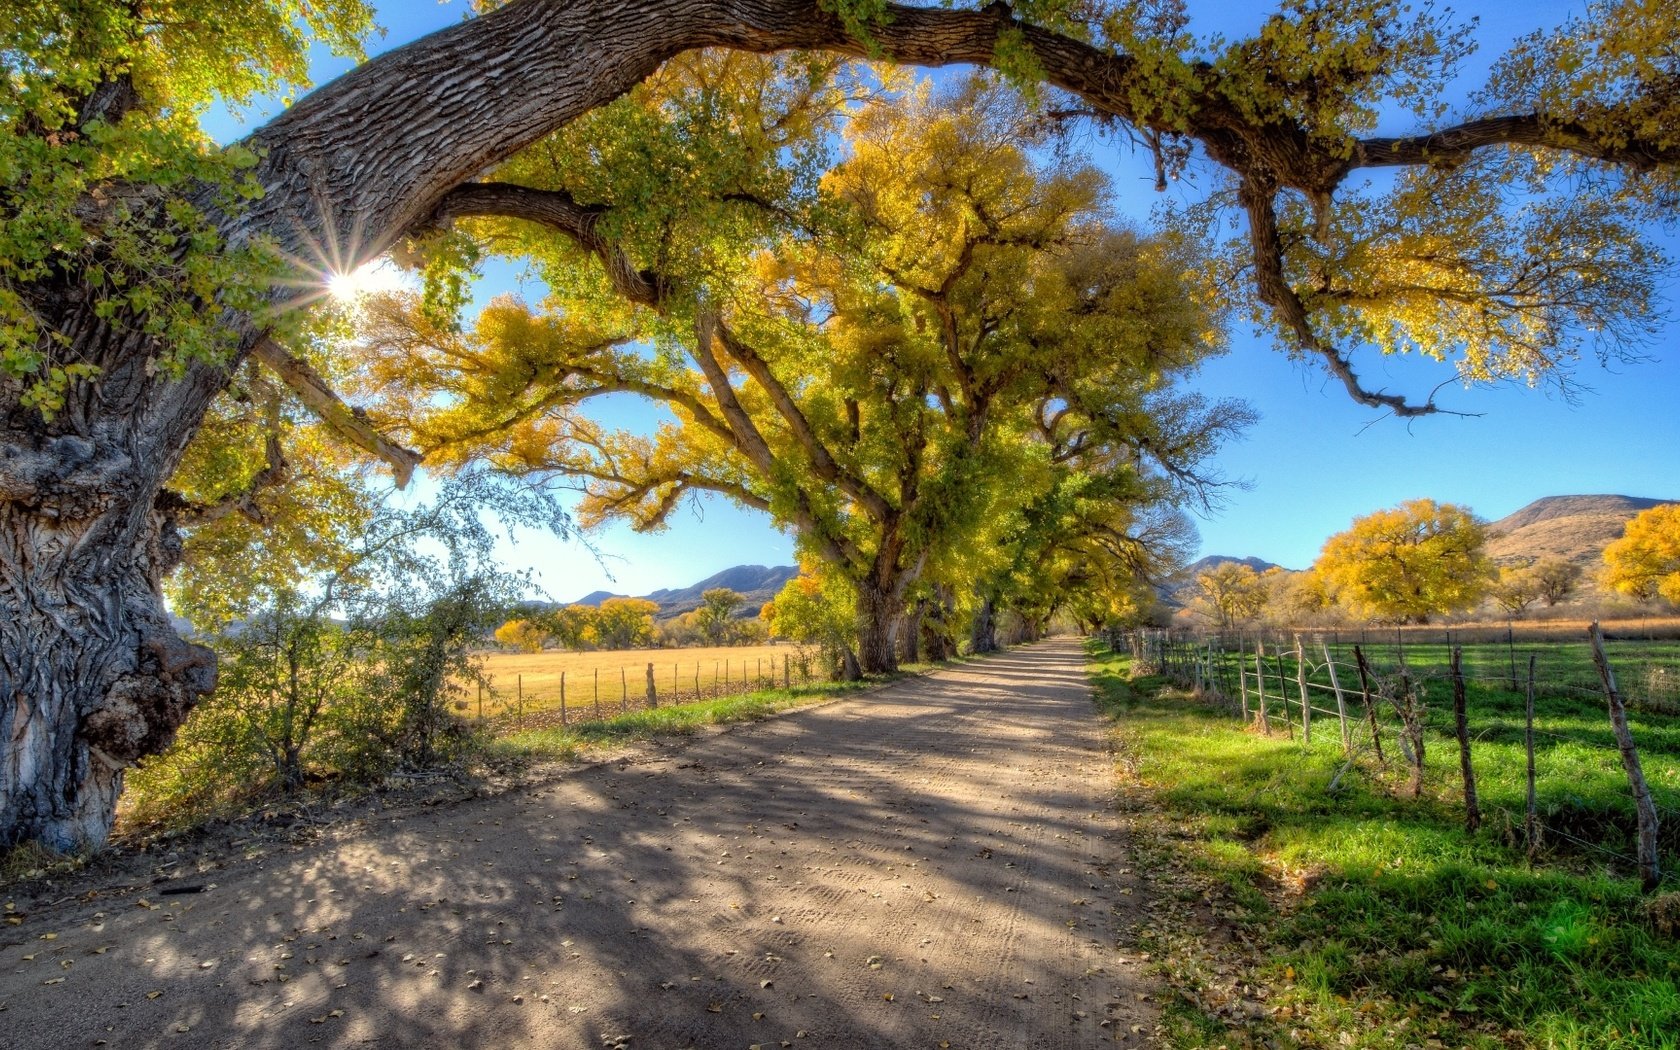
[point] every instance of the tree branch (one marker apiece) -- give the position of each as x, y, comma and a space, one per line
349, 423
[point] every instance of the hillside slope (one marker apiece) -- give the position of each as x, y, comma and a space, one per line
1575, 528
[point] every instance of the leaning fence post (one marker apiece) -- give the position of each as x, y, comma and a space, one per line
1461, 726
1301, 684
1283, 696
1341, 705
1531, 815
1370, 708
1649, 873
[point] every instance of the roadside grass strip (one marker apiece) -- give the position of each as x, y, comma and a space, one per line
1283, 915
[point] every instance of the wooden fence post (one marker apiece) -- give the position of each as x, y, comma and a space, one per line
1283, 696
481, 700
623, 690
1649, 873
1260, 684
562, 698
520, 685
653, 697
787, 675
1531, 815
1341, 704
597, 694
1301, 684
1461, 726
1370, 708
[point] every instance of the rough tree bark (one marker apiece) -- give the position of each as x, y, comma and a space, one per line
878, 609
982, 635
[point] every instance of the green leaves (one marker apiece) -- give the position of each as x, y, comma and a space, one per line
106, 178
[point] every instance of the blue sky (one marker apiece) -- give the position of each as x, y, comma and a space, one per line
1314, 462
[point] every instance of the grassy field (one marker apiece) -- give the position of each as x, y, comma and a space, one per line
554, 741
612, 681
1284, 915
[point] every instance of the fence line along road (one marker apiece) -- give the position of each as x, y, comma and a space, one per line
532, 699
1325, 689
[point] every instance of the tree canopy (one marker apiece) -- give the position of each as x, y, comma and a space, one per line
141, 269
1408, 563
1645, 562
887, 354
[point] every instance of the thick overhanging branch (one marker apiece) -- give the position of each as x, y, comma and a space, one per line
1275, 291
747, 436
349, 423
559, 211
821, 460
1456, 144
332, 180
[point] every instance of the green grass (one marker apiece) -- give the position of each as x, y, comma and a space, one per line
1368, 919
1582, 790
674, 720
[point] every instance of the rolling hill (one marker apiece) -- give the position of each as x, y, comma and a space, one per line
1575, 528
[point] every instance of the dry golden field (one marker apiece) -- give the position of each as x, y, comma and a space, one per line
616, 680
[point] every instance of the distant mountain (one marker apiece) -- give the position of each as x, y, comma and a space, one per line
1575, 528
757, 583
1215, 560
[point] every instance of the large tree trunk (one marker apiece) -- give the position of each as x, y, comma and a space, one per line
877, 609
92, 673
910, 632
982, 635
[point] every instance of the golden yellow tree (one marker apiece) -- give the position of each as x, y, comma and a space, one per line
1645, 562
522, 635
1230, 593
1408, 563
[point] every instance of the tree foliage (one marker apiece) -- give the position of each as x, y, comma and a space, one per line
524, 635
1230, 593
1645, 562
1515, 588
715, 617
886, 355
1505, 237
1408, 563
624, 623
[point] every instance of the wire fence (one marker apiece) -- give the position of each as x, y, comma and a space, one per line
1525, 709
543, 699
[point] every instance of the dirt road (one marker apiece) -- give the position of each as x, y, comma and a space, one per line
934, 864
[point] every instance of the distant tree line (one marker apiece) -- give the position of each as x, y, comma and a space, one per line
1424, 560
631, 623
